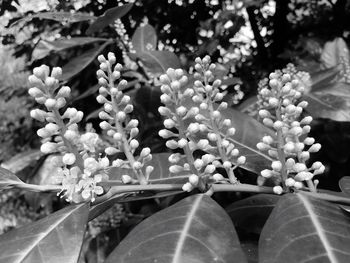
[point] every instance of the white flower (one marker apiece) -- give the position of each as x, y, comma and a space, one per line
89, 141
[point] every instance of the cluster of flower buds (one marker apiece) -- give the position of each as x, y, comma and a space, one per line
79, 173
220, 132
221, 152
116, 121
282, 111
176, 113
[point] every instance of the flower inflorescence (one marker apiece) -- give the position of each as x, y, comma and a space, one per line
281, 110
206, 119
116, 121
80, 170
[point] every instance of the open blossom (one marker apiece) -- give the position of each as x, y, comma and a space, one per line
281, 110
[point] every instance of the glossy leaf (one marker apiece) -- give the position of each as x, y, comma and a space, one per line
344, 184
334, 51
20, 161
109, 17
77, 64
251, 213
157, 62
304, 229
323, 105
44, 48
8, 179
321, 79
195, 229
58, 16
144, 38
55, 238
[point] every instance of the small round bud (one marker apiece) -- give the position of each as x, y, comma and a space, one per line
231, 131
134, 144
48, 147
187, 187
193, 179
315, 148
171, 144
290, 182
277, 125
50, 103
277, 190
218, 177
276, 166
198, 164
68, 159
169, 123
212, 136
298, 185
210, 169
111, 150
266, 173
182, 143
273, 102
241, 160
181, 111
299, 167
56, 72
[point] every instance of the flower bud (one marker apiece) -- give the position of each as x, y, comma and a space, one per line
48, 147
187, 187
315, 148
210, 169
137, 165
111, 150
241, 160
171, 144
193, 179
175, 169
37, 114
266, 173
277, 190
290, 182
50, 103
68, 159
126, 179
218, 177
198, 164
134, 144
276, 166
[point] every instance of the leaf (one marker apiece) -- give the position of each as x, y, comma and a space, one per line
44, 48
344, 184
305, 229
8, 179
195, 229
55, 238
333, 52
251, 213
109, 17
323, 105
144, 37
66, 17
77, 64
157, 62
20, 161
323, 78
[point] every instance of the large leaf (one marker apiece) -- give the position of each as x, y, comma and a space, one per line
324, 105
8, 179
20, 161
157, 62
333, 52
77, 64
44, 47
344, 185
251, 213
321, 79
195, 229
55, 238
144, 38
304, 229
109, 17
57, 16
